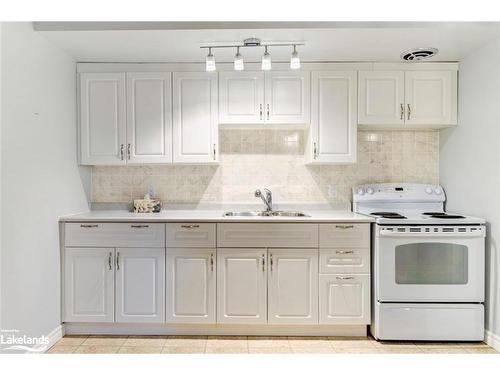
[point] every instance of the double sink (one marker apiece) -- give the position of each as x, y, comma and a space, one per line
266, 213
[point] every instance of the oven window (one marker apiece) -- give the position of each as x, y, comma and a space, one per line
431, 263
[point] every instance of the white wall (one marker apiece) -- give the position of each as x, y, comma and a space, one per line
39, 176
469, 160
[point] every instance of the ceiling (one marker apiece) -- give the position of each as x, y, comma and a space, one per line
324, 41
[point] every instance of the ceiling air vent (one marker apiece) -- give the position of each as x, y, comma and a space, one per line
417, 54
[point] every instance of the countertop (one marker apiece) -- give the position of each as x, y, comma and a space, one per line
214, 216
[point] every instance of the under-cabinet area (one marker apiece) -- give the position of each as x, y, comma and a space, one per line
217, 274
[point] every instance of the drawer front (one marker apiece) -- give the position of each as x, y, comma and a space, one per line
115, 235
190, 235
344, 235
267, 235
344, 260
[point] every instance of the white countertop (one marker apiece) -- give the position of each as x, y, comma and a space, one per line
316, 216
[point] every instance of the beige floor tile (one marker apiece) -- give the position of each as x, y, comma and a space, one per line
310, 342
145, 341
405, 349
450, 350
356, 343
473, 345
195, 343
481, 350
366, 350
182, 349
268, 342
97, 349
105, 340
313, 350
62, 349
231, 342
269, 350
140, 349
226, 350
72, 340
438, 344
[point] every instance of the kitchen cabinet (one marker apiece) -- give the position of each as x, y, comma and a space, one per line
333, 134
149, 118
407, 99
191, 283
140, 285
89, 285
256, 97
242, 286
344, 299
102, 118
293, 286
195, 130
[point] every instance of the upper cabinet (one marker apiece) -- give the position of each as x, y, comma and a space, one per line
256, 97
333, 134
102, 118
407, 99
149, 118
195, 132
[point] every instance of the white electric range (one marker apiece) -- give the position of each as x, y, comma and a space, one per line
428, 265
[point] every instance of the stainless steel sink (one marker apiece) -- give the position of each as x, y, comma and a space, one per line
266, 213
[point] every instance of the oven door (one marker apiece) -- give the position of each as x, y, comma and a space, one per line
429, 263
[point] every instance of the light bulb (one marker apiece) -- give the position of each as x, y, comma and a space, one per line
295, 60
266, 61
210, 61
238, 60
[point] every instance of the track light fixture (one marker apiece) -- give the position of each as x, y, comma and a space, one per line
210, 61
266, 60
238, 60
295, 60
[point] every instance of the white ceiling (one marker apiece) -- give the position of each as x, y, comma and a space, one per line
177, 42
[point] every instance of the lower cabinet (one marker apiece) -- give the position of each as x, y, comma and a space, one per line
140, 285
242, 286
344, 299
89, 275
293, 286
191, 283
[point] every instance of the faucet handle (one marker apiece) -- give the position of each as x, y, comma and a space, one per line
258, 193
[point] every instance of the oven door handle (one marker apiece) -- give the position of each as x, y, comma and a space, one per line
477, 234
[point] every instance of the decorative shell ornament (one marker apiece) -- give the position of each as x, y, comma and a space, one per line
147, 205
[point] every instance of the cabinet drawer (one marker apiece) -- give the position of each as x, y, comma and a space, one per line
344, 260
115, 234
190, 235
267, 235
344, 299
344, 235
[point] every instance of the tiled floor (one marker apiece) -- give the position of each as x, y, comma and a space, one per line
254, 345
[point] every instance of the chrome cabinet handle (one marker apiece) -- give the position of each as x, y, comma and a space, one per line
212, 262
261, 111
263, 262
344, 252
139, 226
109, 261
315, 151
268, 111
402, 112
122, 146
344, 226
409, 111
344, 277
89, 225
215, 152
118, 260
271, 262
190, 226
128, 151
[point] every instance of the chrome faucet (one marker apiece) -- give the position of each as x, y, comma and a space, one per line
268, 200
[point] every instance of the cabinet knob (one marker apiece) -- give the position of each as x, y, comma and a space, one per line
409, 111
315, 151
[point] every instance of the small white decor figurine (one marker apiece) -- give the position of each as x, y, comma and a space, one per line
147, 205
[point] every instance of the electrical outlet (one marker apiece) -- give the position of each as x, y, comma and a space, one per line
332, 191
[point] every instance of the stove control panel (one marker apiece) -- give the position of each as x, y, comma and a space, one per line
398, 192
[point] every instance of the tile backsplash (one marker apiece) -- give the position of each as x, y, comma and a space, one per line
275, 159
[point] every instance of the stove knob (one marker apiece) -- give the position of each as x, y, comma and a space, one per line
361, 191
437, 191
370, 191
428, 190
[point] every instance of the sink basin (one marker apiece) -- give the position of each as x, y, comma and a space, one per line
266, 213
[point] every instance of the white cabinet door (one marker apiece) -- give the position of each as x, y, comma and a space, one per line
293, 286
288, 97
242, 286
241, 97
431, 97
381, 98
149, 118
102, 118
88, 285
344, 299
140, 285
191, 285
333, 117
195, 131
